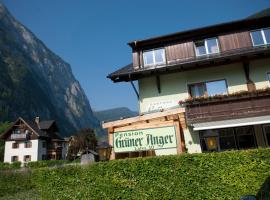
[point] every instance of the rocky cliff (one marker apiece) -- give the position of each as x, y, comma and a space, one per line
36, 82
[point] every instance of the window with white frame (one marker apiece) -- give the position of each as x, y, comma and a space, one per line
207, 46
260, 37
27, 144
210, 88
14, 158
154, 57
268, 76
27, 158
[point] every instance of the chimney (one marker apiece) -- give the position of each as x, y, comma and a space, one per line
37, 120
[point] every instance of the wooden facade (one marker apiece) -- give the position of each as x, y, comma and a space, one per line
182, 51
235, 41
234, 107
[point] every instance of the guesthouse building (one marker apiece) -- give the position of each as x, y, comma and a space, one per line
33, 140
199, 90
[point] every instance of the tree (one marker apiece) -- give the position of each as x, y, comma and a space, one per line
82, 141
3, 127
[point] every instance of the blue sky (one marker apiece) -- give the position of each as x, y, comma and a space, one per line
92, 35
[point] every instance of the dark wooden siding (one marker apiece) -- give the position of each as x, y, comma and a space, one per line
229, 108
235, 41
180, 51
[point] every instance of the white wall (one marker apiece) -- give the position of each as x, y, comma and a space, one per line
21, 151
174, 87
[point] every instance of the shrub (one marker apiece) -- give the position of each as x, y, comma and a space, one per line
227, 175
213, 176
45, 163
13, 181
8, 166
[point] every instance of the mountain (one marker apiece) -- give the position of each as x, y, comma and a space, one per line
262, 13
36, 82
115, 114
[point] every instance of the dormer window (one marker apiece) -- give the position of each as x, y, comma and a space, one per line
207, 46
260, 37
154, 57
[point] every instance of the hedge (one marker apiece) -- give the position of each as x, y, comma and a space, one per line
45, 163
12, 182
9, 166
227, 175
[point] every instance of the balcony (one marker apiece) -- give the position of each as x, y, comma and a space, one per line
21, 136
225, 107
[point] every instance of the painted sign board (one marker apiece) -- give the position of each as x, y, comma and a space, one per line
145, 139
165, 104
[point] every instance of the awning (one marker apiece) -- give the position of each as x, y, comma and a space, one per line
231, 123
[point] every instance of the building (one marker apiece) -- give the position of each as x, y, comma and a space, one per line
32, 141
211, 84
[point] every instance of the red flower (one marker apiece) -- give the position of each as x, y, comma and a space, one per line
181, 102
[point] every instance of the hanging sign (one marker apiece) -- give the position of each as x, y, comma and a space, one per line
145, 139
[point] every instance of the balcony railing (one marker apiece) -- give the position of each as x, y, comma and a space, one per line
228, 107
21, 136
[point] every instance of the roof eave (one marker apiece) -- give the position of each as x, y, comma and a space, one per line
198, 31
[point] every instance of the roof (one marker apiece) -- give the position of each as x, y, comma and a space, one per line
40, 132
208, 31
46, 124
35, 128
128, 73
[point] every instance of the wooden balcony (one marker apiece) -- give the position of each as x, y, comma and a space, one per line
226, 107
21, 136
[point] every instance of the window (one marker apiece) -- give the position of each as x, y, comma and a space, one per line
15, 145
260, 37
207, 46
209, 140
210, 88
28, 144
27, 158
44, 157
44, 144
154, 57
14, 158
245, 137
268, 76
267, 134
228, 139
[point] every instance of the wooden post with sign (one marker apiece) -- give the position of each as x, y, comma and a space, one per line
151, 134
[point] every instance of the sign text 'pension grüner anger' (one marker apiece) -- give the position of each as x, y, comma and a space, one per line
145, 139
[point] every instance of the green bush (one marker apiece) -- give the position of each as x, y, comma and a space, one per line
214, 176
8, 166
45, 163
227, 175
12, 182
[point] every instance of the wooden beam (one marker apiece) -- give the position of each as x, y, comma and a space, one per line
144, 126
178, 137
143, 117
